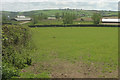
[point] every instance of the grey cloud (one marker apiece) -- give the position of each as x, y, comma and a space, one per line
27, 6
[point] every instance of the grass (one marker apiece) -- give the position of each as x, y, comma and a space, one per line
83, 22
89, 44
58, 22
32, 75
50, 22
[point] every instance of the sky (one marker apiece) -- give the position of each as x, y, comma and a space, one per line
28, 5
58, 0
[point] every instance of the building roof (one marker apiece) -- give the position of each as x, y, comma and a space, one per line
111, 20
22, 18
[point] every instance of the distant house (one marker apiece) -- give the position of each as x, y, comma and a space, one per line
22, 18
53, 17
110, 20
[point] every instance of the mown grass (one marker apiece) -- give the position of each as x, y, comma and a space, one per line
88, 44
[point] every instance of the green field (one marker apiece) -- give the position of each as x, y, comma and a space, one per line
94, 48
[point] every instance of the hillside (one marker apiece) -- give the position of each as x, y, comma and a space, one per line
83, 13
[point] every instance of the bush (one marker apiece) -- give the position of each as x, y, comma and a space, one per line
15, 48
8, 71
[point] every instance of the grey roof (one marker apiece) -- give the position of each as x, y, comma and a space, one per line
23, 19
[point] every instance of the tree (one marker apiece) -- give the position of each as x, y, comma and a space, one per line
4, 19
57, 15
74, 16
96, 18
118, 14
45, 16
34, 19
63, 15
42, 16
68, 18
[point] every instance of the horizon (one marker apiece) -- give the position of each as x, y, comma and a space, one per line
61, 9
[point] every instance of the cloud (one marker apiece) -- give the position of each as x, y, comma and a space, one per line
59, 0
27, 6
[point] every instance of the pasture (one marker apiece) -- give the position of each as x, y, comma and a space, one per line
74, 52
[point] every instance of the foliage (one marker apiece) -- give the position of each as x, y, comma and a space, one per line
34, 19
118, 14
5, 19
57, 15
96, 18
37, 18
68, 18
8, 71
42, 16
15, 47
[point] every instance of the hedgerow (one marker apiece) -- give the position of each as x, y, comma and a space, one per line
15, 48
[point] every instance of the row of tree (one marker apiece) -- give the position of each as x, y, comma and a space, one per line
37, 18
69, 17
66, 17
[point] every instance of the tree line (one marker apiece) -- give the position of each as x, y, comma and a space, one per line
67, 17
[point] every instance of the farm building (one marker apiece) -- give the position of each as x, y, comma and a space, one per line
51, 17
110, 20
22, 18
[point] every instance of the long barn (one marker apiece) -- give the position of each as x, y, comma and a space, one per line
22, 18
110, 20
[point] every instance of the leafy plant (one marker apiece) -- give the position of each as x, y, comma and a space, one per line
8, 71
96, 18
68, 18
15, 49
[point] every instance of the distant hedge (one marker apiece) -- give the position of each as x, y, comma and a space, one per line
77, 25
15, 46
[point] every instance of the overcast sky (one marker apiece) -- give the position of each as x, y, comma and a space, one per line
57, 0
27, 5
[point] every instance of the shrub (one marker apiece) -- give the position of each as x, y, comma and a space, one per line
8, 71
15, 48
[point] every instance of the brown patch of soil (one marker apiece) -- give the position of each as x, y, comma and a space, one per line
60, 68
65, 69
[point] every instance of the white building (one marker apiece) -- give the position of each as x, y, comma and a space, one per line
110, 20
22, 18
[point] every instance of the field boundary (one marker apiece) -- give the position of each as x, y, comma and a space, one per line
89, 25
65, 79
